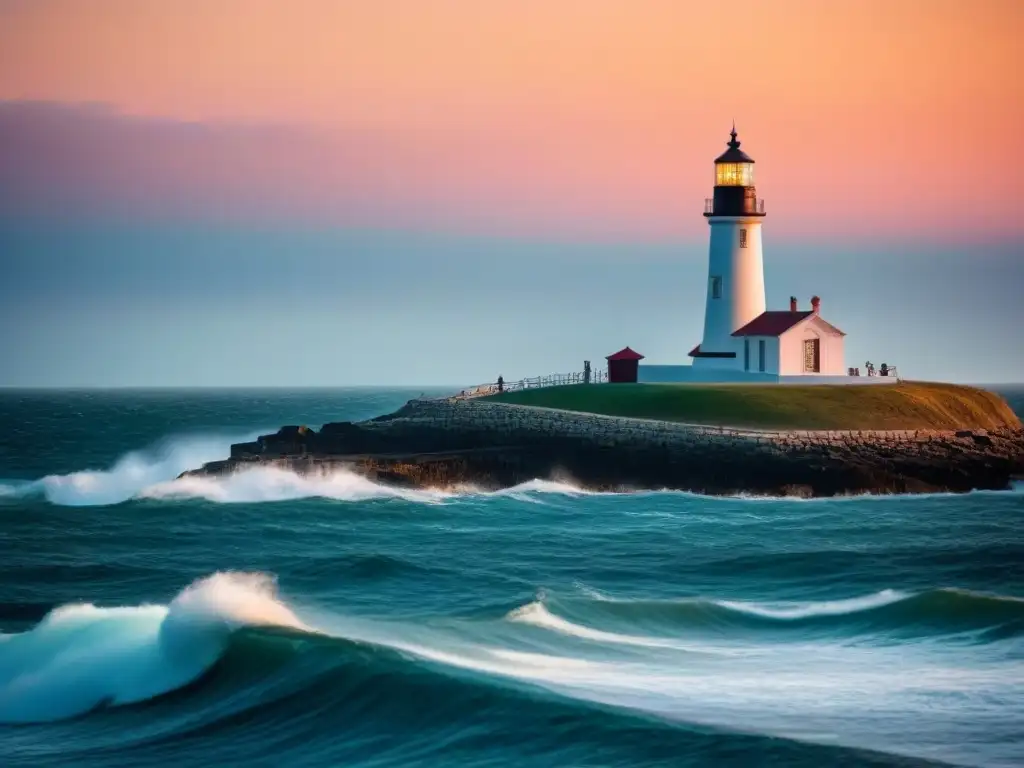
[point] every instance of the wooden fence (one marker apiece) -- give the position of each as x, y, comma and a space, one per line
553, 380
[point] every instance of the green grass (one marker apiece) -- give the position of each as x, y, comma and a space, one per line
907, 405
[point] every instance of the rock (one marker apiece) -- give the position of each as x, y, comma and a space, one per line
797, 491
440, 443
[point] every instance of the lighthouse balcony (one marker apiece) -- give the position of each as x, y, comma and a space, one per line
722, 205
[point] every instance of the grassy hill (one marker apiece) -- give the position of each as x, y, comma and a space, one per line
907, 405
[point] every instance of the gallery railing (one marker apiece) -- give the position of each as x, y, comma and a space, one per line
553, 380
753, 206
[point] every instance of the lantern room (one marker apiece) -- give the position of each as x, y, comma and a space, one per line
734, 174
734, 167
735, 194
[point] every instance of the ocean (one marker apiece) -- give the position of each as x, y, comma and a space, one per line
270, 619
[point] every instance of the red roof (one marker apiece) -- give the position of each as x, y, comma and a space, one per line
625, 354
774, 323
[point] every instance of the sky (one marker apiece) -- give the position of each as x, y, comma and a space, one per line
332, 192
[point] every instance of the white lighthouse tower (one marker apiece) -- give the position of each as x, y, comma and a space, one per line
735, 263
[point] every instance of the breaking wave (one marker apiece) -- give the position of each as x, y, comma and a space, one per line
130, 475
81, 657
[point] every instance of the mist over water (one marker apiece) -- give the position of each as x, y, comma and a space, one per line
269, 618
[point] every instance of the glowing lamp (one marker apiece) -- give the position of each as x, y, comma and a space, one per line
734, 174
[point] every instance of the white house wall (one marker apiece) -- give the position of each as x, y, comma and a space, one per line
771, 361
791, 350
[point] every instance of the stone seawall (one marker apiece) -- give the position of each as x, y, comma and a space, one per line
506, 420
485, 443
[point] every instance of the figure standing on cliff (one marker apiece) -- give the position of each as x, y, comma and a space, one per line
501, 384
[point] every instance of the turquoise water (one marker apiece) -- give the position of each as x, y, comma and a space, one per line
268, 619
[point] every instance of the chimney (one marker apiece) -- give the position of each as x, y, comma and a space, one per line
792, 303
816, 305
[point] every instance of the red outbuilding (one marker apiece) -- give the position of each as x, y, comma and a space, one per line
624, 366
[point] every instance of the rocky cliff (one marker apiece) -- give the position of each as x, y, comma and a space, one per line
481, 443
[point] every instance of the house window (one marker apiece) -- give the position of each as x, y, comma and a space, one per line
746, 354
762, 354
743, 238
716, 287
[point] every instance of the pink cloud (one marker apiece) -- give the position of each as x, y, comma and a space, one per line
61, 160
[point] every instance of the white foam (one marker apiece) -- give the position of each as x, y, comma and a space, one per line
815, 692
536, 614
797, 610
14, 489
544, 486
81, 656
592, 593
132, 473
274, 484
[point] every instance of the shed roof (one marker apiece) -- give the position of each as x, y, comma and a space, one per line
625, 354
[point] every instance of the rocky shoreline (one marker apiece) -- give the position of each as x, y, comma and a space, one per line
458, 443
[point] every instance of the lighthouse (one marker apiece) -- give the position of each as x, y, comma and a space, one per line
742, 340
735, 287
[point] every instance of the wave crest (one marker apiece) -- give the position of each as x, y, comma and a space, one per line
81, 657
886, 612
787, 611
537, 614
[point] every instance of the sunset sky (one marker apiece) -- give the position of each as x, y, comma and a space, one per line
384, 179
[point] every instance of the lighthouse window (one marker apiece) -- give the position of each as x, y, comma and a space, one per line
743, 238
716, 287
734, 174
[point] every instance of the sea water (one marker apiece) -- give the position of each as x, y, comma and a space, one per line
271, 619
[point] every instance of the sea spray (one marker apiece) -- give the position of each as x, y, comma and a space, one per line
129, 476
263, 484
